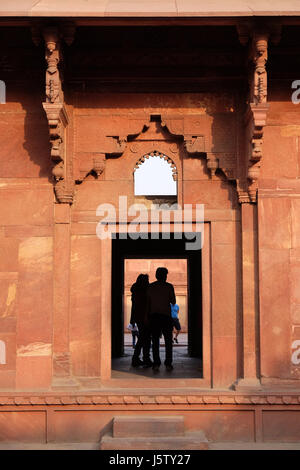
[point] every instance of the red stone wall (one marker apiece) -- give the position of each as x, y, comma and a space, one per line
279, 239
26, 242
27, 252
52, 276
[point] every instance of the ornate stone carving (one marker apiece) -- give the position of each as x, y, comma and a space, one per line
256, 114
94, 164
99, 164
195, 144
259, 57
255, 121
56, 112
58, 121
53, 57
115, 145
242, 191
212, 163
175, 130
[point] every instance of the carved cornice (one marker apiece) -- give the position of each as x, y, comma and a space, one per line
176, 126
162, 399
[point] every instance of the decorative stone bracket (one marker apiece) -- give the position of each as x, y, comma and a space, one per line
54, 106
95, 165
255, 122
256, 114
58, 121
194, 144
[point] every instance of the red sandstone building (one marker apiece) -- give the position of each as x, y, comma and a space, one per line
91, 89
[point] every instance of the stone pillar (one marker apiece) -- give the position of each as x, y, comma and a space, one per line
250, 298
61, 294
225, 303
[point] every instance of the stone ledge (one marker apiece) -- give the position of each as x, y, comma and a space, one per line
145, 8
150, 399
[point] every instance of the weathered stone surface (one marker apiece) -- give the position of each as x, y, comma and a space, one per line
13, 425
148, 426
32, 207
191, 441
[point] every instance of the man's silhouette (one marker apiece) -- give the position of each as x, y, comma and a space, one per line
138, 316
160, 297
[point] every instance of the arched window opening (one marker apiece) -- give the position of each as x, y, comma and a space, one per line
155, 174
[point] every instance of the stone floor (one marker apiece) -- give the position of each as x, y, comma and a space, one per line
184, 366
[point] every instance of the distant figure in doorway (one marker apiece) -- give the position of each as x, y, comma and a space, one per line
176, 322
160, 297
138, 316
134, 333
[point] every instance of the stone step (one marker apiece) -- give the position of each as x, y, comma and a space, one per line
189, 441
148, 426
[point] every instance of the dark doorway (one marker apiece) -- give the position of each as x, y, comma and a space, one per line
156, 247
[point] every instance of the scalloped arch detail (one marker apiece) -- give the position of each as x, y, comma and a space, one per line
156, 153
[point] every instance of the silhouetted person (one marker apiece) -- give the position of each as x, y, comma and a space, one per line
138, 316
160, 295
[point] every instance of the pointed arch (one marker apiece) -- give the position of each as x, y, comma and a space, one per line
155, 174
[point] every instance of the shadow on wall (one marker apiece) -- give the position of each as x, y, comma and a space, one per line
36, 138
25, 146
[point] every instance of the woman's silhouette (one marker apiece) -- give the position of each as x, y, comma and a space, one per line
139, 316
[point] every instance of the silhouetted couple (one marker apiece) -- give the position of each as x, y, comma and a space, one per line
151, 311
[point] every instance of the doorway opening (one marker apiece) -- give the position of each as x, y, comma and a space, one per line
133, 257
